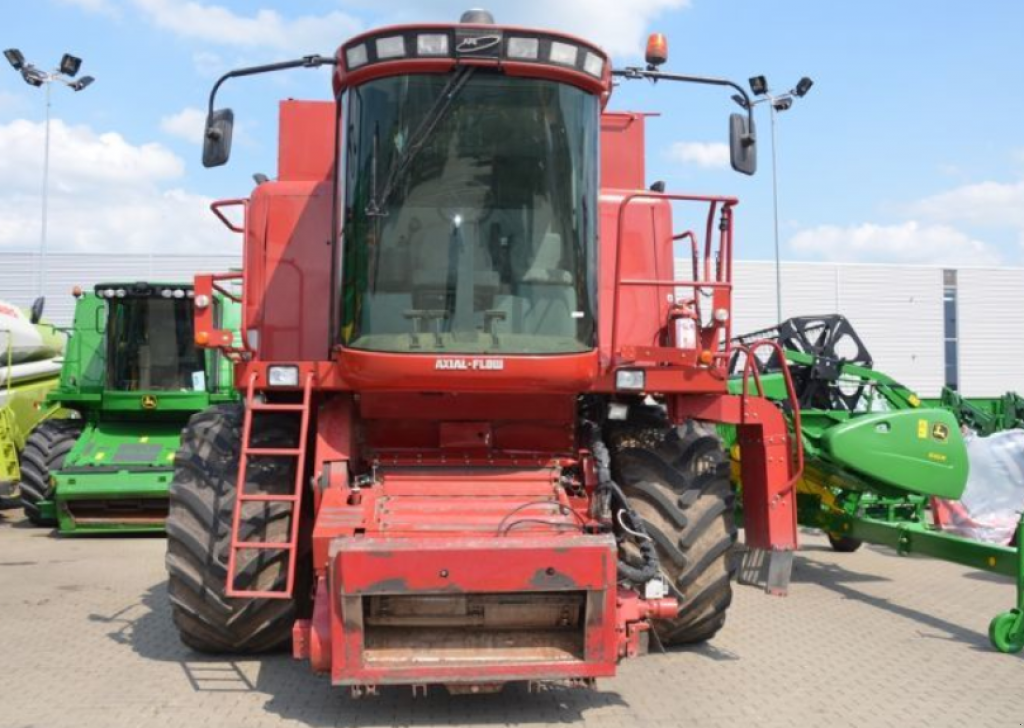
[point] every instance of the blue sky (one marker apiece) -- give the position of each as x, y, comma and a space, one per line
906, 150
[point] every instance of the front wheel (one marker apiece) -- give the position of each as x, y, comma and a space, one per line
680, 487
43, 455
202, 503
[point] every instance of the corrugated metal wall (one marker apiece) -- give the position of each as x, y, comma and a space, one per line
19, 275
896, 309
990, 313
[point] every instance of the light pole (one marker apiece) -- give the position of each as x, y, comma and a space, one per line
63, 74
776, 103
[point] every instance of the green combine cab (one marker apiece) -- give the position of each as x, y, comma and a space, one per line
875, 454
133, 376
30, 352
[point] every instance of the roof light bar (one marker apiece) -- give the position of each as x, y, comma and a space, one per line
483, 43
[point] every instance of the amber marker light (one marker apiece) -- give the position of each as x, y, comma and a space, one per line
657, 49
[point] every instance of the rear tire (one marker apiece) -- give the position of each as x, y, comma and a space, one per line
678, 482
45, 450
202, 503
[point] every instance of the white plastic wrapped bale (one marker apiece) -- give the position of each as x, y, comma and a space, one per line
994, 497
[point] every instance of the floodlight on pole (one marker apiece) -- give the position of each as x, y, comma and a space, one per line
69, 65
782, 102
15, 58
33, 76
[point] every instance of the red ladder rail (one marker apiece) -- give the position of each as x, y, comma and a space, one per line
294, 500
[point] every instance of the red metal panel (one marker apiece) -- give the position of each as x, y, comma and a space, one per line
768, 469
374, 566
288, 269
622, 151
306, 141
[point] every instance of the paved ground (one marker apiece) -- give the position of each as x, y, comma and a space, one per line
867, 639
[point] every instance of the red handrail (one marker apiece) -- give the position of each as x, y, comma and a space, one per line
216, 207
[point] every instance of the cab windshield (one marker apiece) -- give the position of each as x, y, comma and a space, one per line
152, 346
469, 223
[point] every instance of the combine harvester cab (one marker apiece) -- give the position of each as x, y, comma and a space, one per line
477, 439
877, 455
132, 376
29, 368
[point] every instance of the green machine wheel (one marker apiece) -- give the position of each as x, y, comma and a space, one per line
1006, 632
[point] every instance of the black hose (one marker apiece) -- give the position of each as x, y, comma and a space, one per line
606, 486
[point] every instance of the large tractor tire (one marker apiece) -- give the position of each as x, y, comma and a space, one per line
44, 452
202, 504
677, 480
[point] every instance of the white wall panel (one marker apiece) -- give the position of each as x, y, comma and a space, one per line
897, 310
990, 313
19, 275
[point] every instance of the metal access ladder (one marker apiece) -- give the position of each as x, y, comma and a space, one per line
254, 408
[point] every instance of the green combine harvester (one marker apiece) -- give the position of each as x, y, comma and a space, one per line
876, 455
29, 368
131, 376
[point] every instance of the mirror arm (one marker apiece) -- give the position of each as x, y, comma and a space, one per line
314, 61
634, 73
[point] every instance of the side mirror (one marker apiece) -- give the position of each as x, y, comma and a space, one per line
36, 312
217, 139
742, 144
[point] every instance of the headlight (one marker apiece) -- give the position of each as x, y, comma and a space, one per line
432, 44
632, 379
283, 376
356, 56
564, 54
390, 47
202, 301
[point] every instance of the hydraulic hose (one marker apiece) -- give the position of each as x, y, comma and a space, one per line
608, 488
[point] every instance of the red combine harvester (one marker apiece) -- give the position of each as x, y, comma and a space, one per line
476, 444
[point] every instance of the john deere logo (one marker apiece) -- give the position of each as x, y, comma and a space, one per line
149, 402
940, 432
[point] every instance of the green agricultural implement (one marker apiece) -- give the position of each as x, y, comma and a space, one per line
133, 376
29, 369
876, 454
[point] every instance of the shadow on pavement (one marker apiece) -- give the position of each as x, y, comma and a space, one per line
843, 581
296, 694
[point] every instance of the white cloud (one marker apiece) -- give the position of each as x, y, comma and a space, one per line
709, 155
265, 29
209, 64
187, 124
908, 242
618, 26
985, 204
106, 194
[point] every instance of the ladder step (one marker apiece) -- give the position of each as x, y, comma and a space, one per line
263, 546
264, 407
282, 451
263, 498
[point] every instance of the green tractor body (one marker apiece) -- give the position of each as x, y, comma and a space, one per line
134, 376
